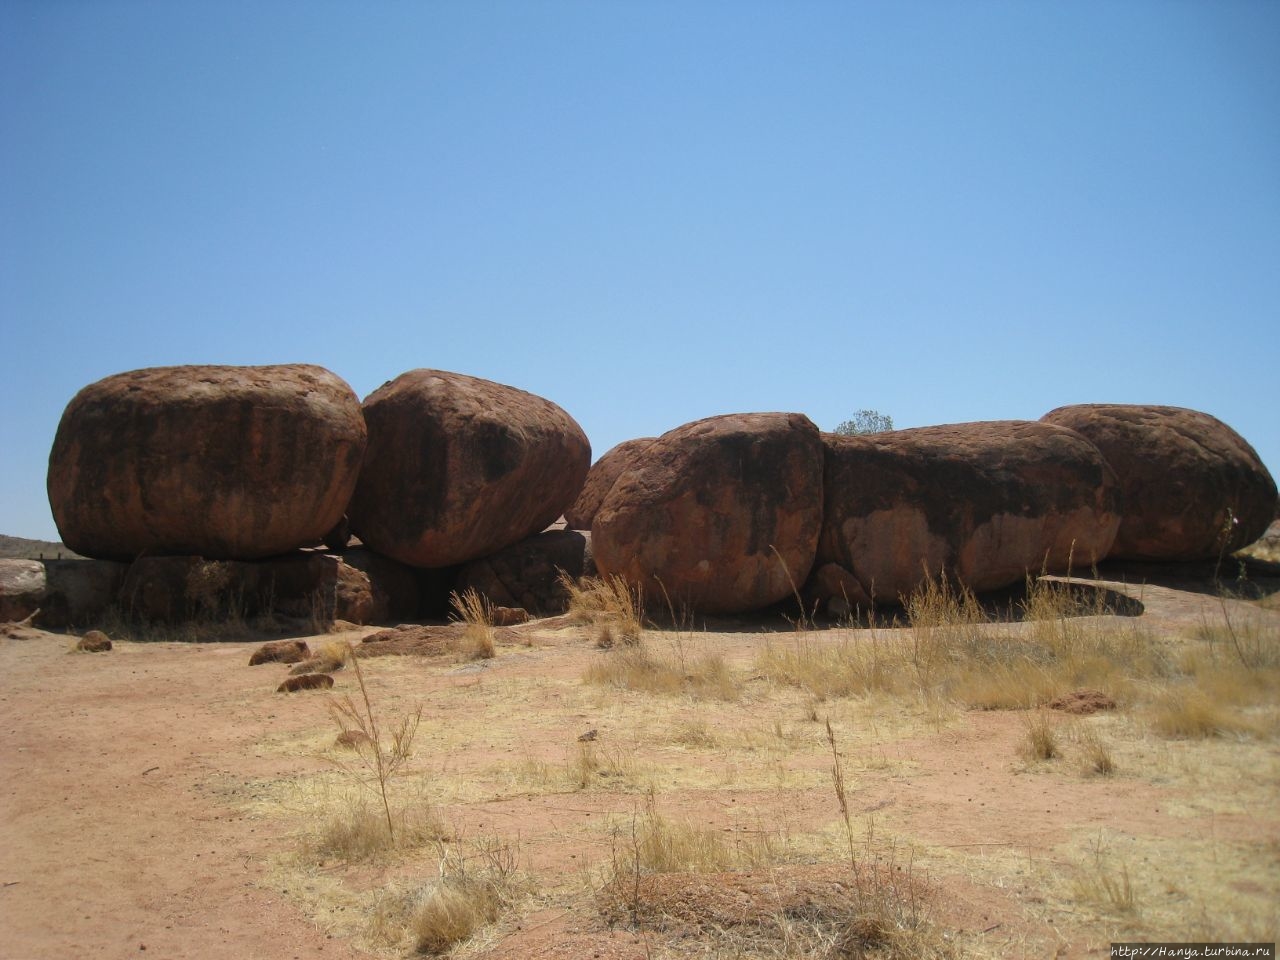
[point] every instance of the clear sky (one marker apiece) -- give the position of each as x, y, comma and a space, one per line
648, 212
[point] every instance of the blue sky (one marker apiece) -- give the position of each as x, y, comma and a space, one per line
647, 212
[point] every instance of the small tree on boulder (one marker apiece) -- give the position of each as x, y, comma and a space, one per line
864, 422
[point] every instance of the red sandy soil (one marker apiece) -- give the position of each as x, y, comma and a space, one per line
120, 837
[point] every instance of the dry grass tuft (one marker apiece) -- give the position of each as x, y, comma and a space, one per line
356, 831
596, 765
636, 667
474, 610
1104, 884
1223, 683
1189, 713
1095, 754
739, 901
475, 888
1041, 742
377, 763
609, 606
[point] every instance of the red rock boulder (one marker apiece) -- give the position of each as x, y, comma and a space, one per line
308, 681
600, 480
219, 462
1191, 487
987, 503
527, 574
280, 651
458, 468
723, 514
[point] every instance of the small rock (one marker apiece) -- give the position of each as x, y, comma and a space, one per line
1082, 702
509, 616
589, 736
280, 651
308, 681
95, 641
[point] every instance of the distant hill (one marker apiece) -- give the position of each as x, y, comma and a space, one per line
23, 549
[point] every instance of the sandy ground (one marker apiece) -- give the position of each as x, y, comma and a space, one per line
146, 805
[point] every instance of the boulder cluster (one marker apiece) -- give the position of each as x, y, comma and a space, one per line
192, 485
736, 513
205, 490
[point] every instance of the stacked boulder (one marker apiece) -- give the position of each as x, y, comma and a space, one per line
459, 468
226, 463
211, 485
192, 486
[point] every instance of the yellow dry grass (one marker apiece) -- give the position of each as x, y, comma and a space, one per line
718, 723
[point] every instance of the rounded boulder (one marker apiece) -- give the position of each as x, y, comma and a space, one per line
601, 477
459, 467
718, 516
1191, 487
217, 461
984, 503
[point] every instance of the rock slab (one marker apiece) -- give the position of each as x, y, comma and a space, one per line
22, 589
459, 467
720, 516
1191, 487
306, 585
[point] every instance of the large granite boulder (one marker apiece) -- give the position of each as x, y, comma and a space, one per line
527, 574
600, 480
1191, 487
458, 468
222, 462
986, 503
22, 589
720, 516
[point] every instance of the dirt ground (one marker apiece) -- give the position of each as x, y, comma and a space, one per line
155, 798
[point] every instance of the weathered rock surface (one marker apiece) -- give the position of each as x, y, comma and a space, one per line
308, 681
304, 585
509, 616
95, 641
394, 586
601, 477
1183, 475
458, 468
79, 592
985, 502
1083, 702
527, 574
833, 590
220, 462
417, 641
280, 651
22, 588
721, 513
